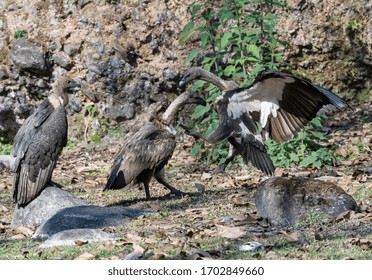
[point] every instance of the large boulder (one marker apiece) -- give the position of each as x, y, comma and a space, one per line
285, 201
28, 57
51, 200
87, 217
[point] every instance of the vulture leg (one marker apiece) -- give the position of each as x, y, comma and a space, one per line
159, 176
145, 178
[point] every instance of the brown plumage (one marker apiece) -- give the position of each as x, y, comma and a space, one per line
280, 103
39, 142
146, 152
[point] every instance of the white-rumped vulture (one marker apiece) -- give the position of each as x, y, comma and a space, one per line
280, 103
146, 152
39, 142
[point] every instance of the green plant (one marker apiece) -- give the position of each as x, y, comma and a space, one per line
5, 149
239, 37
303, 150
100, 127
20, 33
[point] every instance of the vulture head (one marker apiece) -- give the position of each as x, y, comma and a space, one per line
63, 86
191, 74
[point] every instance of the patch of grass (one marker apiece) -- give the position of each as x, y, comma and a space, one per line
5, 148
20, 33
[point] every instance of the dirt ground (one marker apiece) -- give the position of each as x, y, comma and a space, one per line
221, 206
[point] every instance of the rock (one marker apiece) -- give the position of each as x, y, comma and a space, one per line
87, 216
82, 3
69, 237
63, 61
125, 112
252, 246
6, 161
51, 200
285, 201
72, 48
28, 57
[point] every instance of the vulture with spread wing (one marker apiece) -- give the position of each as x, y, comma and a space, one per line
280, 103
39, 142
146, 152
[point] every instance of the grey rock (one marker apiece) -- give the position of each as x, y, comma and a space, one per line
285, 201
6, 161
13, 7
82, 3
87, 216
71, 49
28, 57
252, 246
68, 237
125, 112
3, 73
51, 200
63, 61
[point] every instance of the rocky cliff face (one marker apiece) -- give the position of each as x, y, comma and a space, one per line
127, 53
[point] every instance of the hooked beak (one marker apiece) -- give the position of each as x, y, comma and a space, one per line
181, 84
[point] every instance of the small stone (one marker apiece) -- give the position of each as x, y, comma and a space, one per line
252, 246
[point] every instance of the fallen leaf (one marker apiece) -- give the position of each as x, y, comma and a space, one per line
155, 207
271, 255
206, 176
24, 230
80, 243
85, 256
290, 237
230, 232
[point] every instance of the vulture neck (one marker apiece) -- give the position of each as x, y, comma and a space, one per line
214, 79
169, 115
58, 97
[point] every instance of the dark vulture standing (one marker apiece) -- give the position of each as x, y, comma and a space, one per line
147, 151
39, 142
280, 103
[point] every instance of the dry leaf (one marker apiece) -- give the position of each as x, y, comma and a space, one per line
85, 256
290, 237
80, 243
24, 230
230, 232
271, 255
155, 207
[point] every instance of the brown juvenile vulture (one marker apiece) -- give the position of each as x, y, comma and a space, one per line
147, 151
280, 103
39, 142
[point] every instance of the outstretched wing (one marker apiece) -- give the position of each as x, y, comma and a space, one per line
146, 149
281, 103
38, 153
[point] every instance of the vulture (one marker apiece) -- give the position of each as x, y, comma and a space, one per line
146, 152
39, 142
276, 105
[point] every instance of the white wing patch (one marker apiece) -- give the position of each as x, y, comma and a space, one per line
268, 108
246, 131
262, 97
